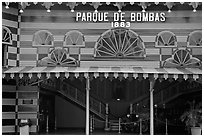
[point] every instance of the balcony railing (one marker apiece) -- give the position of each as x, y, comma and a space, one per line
96, 106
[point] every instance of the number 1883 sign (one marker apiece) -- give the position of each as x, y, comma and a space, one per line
120, 19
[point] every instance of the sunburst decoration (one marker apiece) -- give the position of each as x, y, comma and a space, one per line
195, 38
166, 39
43, 38
58, 57
74, 38
182, 58
119, 43
6, 36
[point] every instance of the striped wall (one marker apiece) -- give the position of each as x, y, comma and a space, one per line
19, 104
10, 20
59, 22
27, 105
9, 109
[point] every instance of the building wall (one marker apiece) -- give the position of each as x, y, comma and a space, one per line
19, 103
9, 122
59, 22
10, 20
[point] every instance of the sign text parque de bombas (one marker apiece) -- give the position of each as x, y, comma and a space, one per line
120, 16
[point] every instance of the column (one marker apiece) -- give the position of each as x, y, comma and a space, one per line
106, 122
131, 109
151, 107
87, 104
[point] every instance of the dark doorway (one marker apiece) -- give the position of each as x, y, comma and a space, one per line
119, 89
46, 112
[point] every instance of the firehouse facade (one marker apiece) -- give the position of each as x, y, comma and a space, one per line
65, 69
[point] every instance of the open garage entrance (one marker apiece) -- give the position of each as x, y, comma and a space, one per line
127, 101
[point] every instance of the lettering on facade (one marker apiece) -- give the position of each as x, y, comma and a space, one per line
120, 19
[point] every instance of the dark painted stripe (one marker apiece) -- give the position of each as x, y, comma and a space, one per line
12, 56
12, 29
58, 43
8, 108
164, 57
89, 44
26, 44
153, 57
87, 57
40, 56
8, 16
8, 122
27, 57
198, 56
14, 44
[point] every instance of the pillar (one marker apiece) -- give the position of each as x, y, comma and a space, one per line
151, 107
106, 122
87, 104
131, 108
91, 124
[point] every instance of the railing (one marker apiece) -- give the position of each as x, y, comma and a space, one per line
77, 96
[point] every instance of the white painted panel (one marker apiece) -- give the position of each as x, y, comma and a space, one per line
9, 23
148, 64
12, 62
8, 101
28, 50
32, 128
12, 50
197, 51
58, 37
27, 63
87, 51
8, 88
8, 115
152, 51
7, 129
182, 38
148, 38
27, 115
26, 38
14, 37
90, 38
